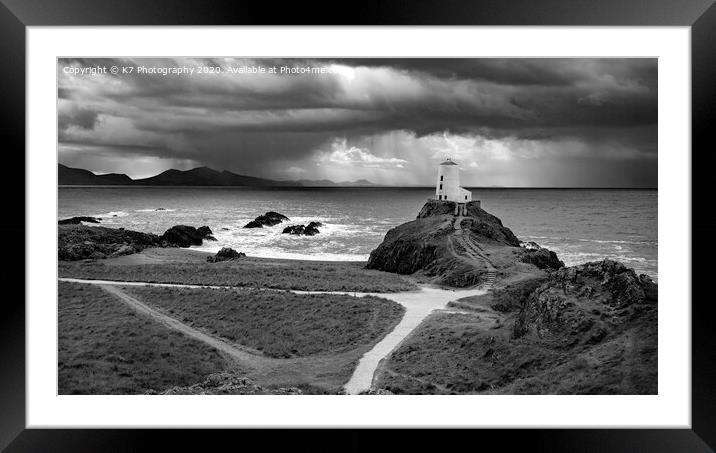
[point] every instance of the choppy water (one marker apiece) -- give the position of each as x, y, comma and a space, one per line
579, 224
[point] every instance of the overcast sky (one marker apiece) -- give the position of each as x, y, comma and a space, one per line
507, 122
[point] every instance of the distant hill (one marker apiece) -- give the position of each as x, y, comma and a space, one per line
79, 177
200, 176
329, 183
205, 176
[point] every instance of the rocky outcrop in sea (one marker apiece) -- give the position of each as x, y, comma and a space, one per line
271, 218
303, 230
186, 236
79, 220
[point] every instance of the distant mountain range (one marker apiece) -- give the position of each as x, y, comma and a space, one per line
200, 176
329, 183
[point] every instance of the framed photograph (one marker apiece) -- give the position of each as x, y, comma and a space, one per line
447, 217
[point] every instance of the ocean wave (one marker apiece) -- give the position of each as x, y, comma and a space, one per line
155, 210
607, 255
598, 241
111, 214
283, 254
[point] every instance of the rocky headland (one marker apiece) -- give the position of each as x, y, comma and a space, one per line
542, 328
459, 251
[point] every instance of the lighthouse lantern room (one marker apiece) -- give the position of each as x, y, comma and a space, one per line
448, 187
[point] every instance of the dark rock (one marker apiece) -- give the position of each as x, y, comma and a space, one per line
183, 236
530, 245
78, 242
623, 286
225, 254
78, 220
312, 228
435, 207
271, 218
542, 258
481, 222
186, 236
564, 304
206, 233
303, 230
403, 256
651, 289
294, 229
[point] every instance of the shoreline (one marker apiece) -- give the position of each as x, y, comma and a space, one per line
161, 255
287, 255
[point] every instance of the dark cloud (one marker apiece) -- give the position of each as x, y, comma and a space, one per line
551, 72
260, 124
85, 119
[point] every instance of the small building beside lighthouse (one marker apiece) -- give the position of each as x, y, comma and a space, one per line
447, 187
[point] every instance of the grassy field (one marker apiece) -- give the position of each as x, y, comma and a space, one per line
251, 272
276, 323
454, 353
106, 348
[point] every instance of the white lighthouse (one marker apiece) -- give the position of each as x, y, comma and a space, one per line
448, 187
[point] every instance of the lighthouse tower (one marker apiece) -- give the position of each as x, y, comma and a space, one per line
447, 187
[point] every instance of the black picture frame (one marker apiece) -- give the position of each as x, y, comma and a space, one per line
16, 15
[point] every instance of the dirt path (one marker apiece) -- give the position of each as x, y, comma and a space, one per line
236, 353
318, 369
167, 285
471, 251
418, 305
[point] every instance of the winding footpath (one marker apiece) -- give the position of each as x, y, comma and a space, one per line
238, 353
418, 305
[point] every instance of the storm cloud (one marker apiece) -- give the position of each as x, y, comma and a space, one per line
508, 122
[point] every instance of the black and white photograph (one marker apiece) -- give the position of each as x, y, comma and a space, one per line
357, 226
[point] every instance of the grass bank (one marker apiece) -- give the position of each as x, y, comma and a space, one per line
251, 272
277, 323
104, 347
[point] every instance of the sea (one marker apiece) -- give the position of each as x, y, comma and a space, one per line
580, 225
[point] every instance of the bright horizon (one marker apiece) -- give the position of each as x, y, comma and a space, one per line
414, 186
